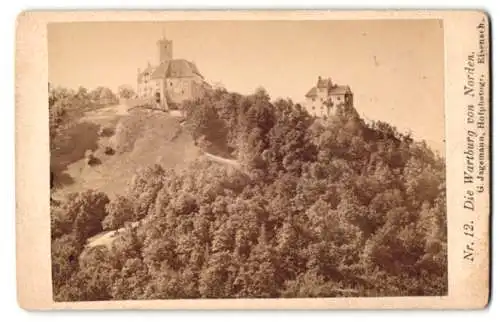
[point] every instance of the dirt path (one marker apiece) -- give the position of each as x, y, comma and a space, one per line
222, 160
106, 238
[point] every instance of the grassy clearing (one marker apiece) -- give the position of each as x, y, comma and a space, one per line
140, 138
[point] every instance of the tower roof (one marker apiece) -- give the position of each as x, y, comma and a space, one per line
324, 83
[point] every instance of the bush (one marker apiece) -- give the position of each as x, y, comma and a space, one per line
65, 253
91, 159
109, 150
88, 154
80, 215
127, 131
119, 211
106, 132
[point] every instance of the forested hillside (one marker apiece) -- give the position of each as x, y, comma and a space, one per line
320, 208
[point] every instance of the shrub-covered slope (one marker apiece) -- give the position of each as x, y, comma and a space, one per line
322, 208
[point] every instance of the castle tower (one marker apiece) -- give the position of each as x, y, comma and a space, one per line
164, 50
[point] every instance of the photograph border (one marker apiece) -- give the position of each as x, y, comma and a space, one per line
468, 282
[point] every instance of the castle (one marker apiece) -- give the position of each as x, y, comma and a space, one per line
322, 99
171, 81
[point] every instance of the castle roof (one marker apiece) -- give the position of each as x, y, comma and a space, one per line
172, 68
312, 92
176, 68
339, 89
333, 89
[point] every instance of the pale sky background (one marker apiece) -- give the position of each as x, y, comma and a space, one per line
395, 68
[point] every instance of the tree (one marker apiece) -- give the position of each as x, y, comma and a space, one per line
65, 253
143, 189
96, 274
83, 212
103, 96
216, 277
63, 113
132, 280
82, 98
289, 143
205, 125
126, 92
119, 211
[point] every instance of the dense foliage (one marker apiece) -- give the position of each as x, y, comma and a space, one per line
67, 105
320, 208
126, 92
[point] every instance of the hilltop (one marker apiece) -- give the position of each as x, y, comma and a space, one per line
307, 208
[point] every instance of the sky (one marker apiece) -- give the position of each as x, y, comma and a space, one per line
395, 68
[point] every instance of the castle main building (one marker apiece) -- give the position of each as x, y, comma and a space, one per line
172, 80
322, 99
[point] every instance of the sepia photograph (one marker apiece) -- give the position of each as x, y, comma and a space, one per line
247, 159
240, 159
